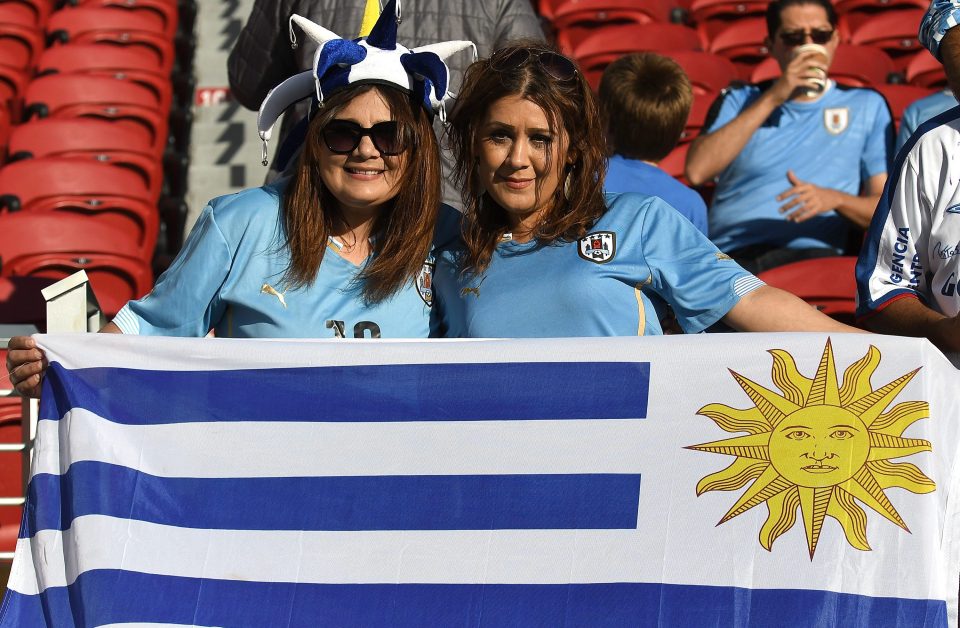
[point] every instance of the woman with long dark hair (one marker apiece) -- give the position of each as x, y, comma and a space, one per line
342, 247
545, 253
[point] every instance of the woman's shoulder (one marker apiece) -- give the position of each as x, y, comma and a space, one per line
632, 205
237, 213
243, 205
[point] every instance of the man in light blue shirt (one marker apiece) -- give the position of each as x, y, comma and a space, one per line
796, 160
922, 110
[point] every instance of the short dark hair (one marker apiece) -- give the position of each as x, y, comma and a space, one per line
776, 7
645, 99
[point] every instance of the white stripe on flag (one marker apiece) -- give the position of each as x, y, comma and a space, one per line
287, 449
458, 556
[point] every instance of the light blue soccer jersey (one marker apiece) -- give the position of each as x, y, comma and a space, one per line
597, 286
838, 141
922, 110
228, 278
633, 175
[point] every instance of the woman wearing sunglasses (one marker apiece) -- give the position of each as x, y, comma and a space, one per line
545, 253
340, 249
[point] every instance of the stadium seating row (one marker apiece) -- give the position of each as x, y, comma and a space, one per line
93, 129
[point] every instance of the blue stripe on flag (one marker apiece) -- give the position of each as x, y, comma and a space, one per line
115, 597
399, 392
402, 502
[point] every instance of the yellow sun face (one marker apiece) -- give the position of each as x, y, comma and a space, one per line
818, 446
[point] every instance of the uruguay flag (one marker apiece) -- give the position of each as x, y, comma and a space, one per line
734, 480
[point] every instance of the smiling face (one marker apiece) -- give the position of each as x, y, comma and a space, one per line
520, 160
819, 446
364, 179
798, 19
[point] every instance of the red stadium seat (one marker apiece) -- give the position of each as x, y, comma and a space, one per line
697, 118
924, 70
844, 7
744, 43
89, 139
12, 82
894, 32
101, 193
899, 97
54, 246
575, 20
828, 283
161, 12
708, 73
860, 66
77, 95
18, 13
112, 26
674, 163
20, 45
857, 66
127, 63
35, 12
600, 49
713, 16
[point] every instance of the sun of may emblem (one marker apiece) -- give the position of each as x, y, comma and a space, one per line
818, 446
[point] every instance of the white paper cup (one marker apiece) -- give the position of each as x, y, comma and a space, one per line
818, 84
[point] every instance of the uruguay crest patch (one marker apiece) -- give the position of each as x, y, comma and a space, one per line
425, 282
599, 247
836, 119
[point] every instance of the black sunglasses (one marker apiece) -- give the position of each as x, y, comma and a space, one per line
798, 38
554, 64
343, 137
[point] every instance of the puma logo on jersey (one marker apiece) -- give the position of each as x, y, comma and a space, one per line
953, 209
268, 289
474, 290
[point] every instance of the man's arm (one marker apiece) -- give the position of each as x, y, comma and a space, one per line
262, 57
806, 200
712, 152
910, 317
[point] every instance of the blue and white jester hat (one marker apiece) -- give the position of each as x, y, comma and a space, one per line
376, 58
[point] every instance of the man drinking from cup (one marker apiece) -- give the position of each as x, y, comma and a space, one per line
798, 159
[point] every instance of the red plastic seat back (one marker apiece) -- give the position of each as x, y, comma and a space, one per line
20, 45
575, 20
924, 70
744, 43
899, 97
597, 51
828, 283
34, 12
162, 13
52, 136
713, 16
56, 91
86, 57
894, 32
54, 246
708, 73
33, 180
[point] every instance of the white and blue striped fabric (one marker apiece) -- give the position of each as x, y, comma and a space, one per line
491, 483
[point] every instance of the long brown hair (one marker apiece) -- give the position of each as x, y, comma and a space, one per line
403, 231
569, 105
